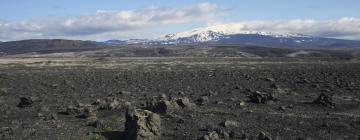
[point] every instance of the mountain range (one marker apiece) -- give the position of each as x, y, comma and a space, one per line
208, 36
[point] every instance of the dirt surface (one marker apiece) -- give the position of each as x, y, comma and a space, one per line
196, 98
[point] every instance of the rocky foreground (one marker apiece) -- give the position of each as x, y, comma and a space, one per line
237, 99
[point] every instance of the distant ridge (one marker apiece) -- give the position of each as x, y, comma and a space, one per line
47, 46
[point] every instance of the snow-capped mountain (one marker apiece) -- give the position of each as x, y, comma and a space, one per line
227, 35
234, 34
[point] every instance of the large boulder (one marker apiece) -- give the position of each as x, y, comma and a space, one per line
142, 125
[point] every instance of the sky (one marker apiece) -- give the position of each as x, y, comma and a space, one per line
124, 19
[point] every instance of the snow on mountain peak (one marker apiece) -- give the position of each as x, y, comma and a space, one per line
216, 32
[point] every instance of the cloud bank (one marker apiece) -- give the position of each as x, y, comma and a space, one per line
105, 22
135, 23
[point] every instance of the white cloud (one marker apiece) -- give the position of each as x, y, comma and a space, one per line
347, 27
137, 23
105, 22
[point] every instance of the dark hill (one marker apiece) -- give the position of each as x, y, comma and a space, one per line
47, 46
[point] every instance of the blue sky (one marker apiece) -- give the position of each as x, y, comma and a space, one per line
34, 18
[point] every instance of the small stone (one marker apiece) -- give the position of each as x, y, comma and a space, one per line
203, 100
54, 116
223, 134
180, 121
264, 136
282, 108
324, 100
71, 110
232, 134
25, 102
44, 109
270, 79
124, 92
89, 113
181, 93
40, 115
229, 123
219, 102
261, 97
242, 104
184, 102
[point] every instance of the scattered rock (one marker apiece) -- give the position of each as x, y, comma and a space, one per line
162, 105
111, 103
142, 125
211, 136
324, 100
261, 97
25, 102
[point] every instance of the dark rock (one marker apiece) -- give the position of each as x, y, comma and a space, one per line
282, 108
180, 121
142, 125
324, 100
261, 97
25, 102
181, 93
